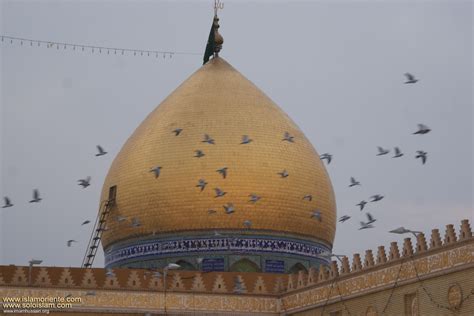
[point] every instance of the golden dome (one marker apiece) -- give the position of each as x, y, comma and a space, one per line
217, 100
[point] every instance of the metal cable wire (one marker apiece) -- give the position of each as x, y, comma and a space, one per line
92, 48
393, 288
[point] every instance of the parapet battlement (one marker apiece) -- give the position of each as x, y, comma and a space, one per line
422, 259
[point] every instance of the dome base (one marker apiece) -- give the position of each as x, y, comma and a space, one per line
219, 252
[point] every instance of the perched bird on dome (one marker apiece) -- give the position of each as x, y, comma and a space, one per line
361, 204
7, 202
317, 215
222, 171
156, 170
370, 218
248, 223
283, 174
254, 198
199, 153
84, 182
287, 137
101, 151
177, 131
211, 212
70, 241
422, 154
344, 218
376, 198
382, 151
422, 129
208, 139
365, 226
201, 184
246, 140
354, 182
308, 197
327, 157
36, 196
229, 208
410, 78
135, 222
398, 153
219, 192
85, 222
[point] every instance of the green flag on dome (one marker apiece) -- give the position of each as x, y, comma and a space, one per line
211, 44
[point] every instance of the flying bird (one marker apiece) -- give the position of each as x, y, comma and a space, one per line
248, 223
70, 241
156, 170
211, 212
376, 198
326, 156
101, 151
287, 137
84, 182
361, 204
344, 218
382, 151
120, 219
246, 140
422, 154
199, 154
254, 198
410, 78
201, 184
398, 153
370, 218
219, 192
422, 129
283, 174
7, 202
222, 171
308, 197
36, 197
85, 222
317, 215
365, 225
109, 273
354, 182
229, 208
177, 131
208, 139
135, 222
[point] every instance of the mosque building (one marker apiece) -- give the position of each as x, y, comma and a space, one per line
218, 204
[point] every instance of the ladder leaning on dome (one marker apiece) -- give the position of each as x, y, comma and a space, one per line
99, 227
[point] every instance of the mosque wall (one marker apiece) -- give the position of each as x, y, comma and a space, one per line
428, 278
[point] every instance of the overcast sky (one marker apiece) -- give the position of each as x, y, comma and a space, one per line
336, 67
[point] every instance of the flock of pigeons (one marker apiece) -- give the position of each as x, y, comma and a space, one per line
36, 195
254, 198
229, 208
420, 154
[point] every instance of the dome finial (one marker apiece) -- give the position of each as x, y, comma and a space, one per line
215, 40
218, 39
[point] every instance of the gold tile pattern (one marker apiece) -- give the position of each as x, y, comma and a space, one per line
217, 100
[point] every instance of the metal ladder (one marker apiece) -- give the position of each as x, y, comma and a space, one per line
96, 235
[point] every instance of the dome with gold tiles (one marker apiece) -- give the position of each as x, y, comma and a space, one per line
215, 176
